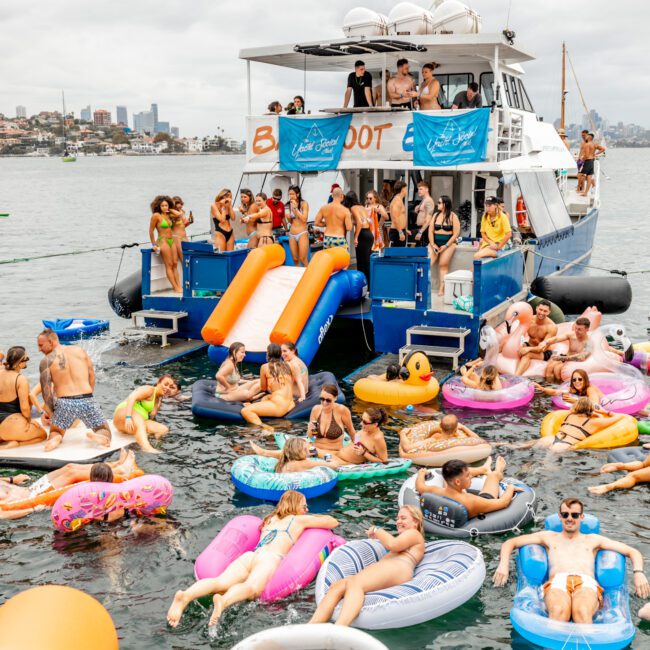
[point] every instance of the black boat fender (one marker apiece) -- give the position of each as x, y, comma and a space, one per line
125, 296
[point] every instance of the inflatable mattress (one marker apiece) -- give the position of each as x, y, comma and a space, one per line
206, 405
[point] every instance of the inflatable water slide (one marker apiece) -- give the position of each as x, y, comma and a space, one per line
268, 302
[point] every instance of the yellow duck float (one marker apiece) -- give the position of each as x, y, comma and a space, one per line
416, 384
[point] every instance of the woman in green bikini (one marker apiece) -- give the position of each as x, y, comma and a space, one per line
136, 415
163, 222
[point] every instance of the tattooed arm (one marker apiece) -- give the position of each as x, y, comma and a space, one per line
47, 387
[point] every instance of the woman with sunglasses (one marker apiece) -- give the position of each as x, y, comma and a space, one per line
369, 443
181, 221
378, 216
579, 386
222, 213
444, 230
247, 208
16, 425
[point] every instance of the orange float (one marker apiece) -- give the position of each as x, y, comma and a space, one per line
306, 294
55, 617
233, 301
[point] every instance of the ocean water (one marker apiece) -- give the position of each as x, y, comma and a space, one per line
103, 202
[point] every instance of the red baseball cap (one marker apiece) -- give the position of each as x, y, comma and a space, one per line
334, 186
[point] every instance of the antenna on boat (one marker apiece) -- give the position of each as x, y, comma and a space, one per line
564, 91
508, 16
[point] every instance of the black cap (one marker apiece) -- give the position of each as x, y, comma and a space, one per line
491, 200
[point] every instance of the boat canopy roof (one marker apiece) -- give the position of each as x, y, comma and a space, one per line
340, 54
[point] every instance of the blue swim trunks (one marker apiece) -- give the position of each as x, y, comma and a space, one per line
333, 242
82, 407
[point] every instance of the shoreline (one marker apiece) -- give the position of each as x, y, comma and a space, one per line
132, 155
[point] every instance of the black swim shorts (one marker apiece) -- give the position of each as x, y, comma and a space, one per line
588, 168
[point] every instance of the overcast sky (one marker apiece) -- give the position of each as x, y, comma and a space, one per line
182, 54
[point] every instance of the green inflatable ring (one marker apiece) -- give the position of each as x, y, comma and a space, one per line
365, 470
644, 427
556, 315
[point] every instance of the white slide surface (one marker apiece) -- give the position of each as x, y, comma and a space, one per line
264, 307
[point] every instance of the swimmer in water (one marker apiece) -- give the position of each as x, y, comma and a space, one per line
248, 575
488, 379
405, 550
419, 437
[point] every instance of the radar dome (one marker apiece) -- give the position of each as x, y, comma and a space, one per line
453, 17
361, 21
409, 19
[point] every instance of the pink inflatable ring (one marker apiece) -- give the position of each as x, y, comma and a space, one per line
516, 392
86, 502
620, 394
297, 569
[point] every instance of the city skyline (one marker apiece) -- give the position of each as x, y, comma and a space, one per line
202, 82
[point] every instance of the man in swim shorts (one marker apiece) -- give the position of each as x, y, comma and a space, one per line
539, 330
580, 348
68, 376
458, 478
447, 428
572, 592
398, 232
589, 150
336, 219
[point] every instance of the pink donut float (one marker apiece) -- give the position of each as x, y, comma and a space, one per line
515, 392
297, 569
621, 394
86, 502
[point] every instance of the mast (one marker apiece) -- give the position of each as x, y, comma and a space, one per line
65, 142
562, 110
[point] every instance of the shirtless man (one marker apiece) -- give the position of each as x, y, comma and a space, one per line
540, 329
572, 592
579, 348
424, 212
458, 477
398, 232
336, 219
448, 428
588, 152
67, 383
401, 87
70, 474
581, 177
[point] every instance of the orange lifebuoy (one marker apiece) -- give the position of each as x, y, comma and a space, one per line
522, 215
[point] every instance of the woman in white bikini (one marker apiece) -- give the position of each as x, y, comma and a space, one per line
429, 89
248, 575
395, 568
298, 214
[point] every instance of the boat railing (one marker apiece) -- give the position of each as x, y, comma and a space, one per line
380, 136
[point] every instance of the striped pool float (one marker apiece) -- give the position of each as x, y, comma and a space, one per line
450, 574
255, 476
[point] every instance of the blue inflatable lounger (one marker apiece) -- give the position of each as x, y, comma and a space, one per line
612, 627
70, 329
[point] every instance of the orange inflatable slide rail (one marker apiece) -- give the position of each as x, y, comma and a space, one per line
306, 294
233, 301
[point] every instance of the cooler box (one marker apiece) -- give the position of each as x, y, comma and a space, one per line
457, 284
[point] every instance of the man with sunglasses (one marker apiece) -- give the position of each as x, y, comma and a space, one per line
572, 592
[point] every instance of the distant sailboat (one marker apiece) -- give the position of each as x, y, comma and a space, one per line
67, 156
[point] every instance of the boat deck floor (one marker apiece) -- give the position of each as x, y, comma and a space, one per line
144, 353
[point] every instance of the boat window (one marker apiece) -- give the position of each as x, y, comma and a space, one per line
451, 85
523, 95
545, 207
506, 89
516, 103
487, 89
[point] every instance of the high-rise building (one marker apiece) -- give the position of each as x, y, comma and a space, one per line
102, 117
175, 132
154, 111
21, 111
122, 116
143, 122
161, 127
86, 114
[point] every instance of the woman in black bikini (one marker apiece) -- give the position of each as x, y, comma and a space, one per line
369, 444
222, 212
363, 237
247, 209
16, 426
581, 422
263, 219
444, 229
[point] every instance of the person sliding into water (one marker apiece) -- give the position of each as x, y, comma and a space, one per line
248, 575
395, 568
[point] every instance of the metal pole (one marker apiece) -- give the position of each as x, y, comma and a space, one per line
383, 82
563, 85
248, 87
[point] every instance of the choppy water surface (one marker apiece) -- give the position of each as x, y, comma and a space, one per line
99, 202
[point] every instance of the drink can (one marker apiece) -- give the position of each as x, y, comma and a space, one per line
327, 458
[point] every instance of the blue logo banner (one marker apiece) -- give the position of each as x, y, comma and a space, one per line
312, 143
444, 140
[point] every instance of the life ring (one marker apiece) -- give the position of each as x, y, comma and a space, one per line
435, 453
256, 476
416, 384
294, 572
86, 502
620, 394
522, 214
448, 575
49, 497
612, 627
515, 392
619, 434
